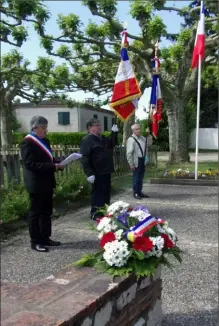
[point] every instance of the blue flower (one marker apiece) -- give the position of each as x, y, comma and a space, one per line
141, 208
123, 219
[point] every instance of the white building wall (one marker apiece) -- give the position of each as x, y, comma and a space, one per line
25, 114
208, 138
87, 114
78, 117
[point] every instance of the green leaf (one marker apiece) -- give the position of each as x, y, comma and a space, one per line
164, 261
102, 267
120, 225
119, 271
139, 254
93, 227
87, 260
132, 221
144, 268
176, 253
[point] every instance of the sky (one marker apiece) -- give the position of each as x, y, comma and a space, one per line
31, 49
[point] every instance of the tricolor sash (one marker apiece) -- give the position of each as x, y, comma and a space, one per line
142, 227
42, 145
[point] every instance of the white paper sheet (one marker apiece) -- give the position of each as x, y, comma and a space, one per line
72, 157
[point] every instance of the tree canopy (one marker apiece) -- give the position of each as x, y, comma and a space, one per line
17, 77
92, 51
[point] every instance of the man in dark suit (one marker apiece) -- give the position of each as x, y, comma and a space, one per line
39, 179
97, 163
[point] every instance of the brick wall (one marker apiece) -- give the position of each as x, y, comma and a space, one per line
83, 297
130, 302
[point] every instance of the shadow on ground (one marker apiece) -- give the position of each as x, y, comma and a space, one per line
196, 318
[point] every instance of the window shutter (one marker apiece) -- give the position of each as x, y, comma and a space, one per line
64, 118
105, 124
60, 118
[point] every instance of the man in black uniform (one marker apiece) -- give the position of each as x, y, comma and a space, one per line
97, 163
39, 179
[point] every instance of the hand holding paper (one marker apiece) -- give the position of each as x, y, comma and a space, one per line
115, 128
72, 157
91, 179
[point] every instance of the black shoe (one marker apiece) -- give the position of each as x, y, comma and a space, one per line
39, 247
52, 243
136, 196
144, 196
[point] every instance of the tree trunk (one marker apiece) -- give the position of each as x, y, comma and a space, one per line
178, 142
127, 132
5, 125
182, 134
172, 124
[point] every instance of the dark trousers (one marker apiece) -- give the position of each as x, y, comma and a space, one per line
138, 176
39, 218
101, 192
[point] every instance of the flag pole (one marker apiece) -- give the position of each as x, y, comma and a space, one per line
156, 46
198, 115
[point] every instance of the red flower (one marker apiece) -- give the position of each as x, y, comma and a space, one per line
167, 242
99, 219
107, 237
109, 215
143, 243
130, 209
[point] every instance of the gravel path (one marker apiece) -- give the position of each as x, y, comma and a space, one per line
189, 293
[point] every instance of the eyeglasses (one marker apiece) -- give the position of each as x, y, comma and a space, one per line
44, 127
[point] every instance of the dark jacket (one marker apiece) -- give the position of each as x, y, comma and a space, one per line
97, 154
39, 170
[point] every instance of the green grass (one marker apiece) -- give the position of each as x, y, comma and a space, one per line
125, 182
162, 167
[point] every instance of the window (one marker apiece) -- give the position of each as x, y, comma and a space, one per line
64, 118
95, 116
113, 121
105, 124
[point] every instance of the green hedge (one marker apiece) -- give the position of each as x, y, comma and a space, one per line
60, 138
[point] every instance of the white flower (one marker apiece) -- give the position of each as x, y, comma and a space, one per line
117, 207
100, 235
161, 229
118, 234
106, 225
170, 232
140, 215
154, 252
116, 253
166, 230
105, 221
158, 242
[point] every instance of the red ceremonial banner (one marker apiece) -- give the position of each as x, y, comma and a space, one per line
124, 111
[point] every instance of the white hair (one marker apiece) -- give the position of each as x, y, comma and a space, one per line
133, 127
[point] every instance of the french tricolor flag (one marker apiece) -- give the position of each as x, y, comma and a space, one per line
199, 48
126, 91
156, 98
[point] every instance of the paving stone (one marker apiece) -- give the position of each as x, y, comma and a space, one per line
31, 319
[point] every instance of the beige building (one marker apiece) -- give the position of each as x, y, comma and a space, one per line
61, 118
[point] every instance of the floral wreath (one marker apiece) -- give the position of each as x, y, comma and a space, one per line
131, 241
